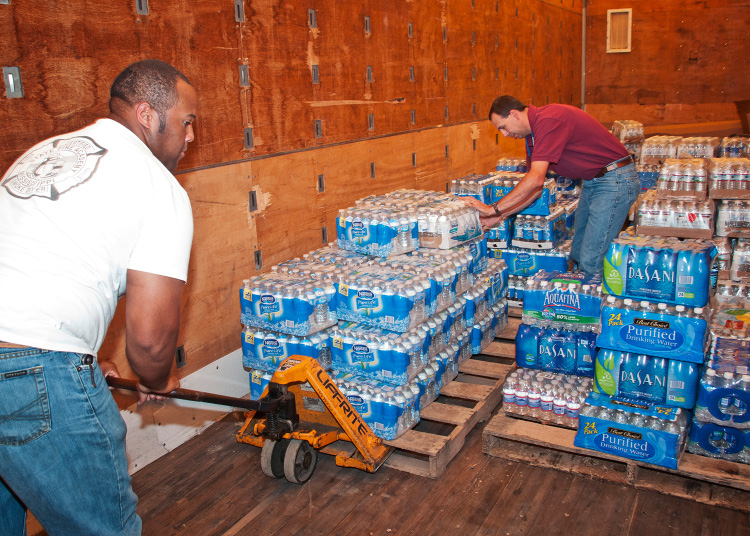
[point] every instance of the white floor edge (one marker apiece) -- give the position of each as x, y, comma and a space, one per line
157, 428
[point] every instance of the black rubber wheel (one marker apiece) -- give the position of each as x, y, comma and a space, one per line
299, 461
272, 457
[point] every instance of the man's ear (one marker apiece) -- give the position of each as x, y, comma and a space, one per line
146, 115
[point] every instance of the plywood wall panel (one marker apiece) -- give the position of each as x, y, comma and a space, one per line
66, 76
683, 52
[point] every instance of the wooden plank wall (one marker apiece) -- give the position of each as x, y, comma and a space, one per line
689, 62
419, 132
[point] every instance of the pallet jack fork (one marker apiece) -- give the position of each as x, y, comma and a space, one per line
300, 387
290, 444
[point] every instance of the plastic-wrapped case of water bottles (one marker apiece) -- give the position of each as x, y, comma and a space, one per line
527, 262
485, 331
477, 186
650, 433
377, 231
698, 147
259, 380
540, 232
659, 270
674, 218
659, 329
556, 349
265, 350
734, 147
733, 218
657, 149
717, 441
683, 178
552, 398
500, 235
648, 174
404, 220
724, 397
542, 206
517, 165
396, 302
389, 411
657, 380
739, 264
729, 178
627, 130
568, 297
393, 358
287, 303
447, 225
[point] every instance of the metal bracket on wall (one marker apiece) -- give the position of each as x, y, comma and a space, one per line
446, 152
371, 121
141, 7
369, 74
411, 30
258, 261
321, 184
12, 77
413, 117
411, 74
239, 11
315, 74
244, 76
248, 138
318, 128
367, 25
372, 170
446, 113
253, 202
311, 18
324, 234
413, 159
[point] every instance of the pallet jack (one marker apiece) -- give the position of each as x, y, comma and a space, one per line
301, 412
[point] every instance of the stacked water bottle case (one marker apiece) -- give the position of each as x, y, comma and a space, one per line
721, 423
407, 295
557, 336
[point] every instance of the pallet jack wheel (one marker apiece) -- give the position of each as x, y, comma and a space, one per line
272, 457
299, 461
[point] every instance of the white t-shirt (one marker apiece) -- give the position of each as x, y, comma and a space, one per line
76, 212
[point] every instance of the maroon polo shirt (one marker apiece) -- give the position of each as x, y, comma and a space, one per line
575, 144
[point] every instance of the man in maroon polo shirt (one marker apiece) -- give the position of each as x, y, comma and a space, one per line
570, 142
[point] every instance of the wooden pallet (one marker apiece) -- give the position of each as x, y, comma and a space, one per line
462, 404
705, 480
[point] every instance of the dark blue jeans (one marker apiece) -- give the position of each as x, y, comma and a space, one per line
602, 210
62, 447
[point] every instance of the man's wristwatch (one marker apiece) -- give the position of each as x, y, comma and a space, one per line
498, 212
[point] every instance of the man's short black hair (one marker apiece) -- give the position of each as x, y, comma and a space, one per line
151, 81
503, 105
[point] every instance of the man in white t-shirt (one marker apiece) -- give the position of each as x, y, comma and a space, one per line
83, 217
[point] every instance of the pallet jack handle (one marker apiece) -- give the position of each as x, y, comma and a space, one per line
200, 396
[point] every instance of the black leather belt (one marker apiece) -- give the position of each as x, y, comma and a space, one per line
614, 165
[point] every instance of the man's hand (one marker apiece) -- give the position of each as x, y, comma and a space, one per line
145, 394
484, 210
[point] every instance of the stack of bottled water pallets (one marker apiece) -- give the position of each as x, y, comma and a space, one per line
538, 238
555, 348
406, 296
651, 348
721, 422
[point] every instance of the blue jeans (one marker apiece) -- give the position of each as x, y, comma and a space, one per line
602, 210
62, 447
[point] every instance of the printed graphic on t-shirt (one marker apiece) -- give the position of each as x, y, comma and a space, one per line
54, 168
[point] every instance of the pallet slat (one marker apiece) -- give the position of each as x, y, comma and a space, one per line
706, 480
446, 413
428, 454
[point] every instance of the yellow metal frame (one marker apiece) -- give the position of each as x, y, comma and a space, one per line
339, 421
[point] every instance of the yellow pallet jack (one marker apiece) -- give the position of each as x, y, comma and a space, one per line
301, 412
